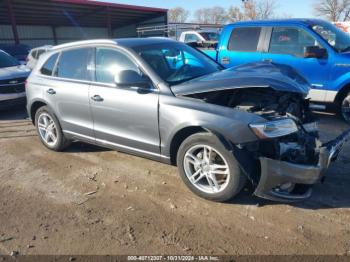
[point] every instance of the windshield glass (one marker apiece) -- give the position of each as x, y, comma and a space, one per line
177, 63
210, 36
7, 60
336, 38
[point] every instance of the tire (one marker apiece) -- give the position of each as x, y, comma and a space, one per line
232, 178
52, 127
345, 108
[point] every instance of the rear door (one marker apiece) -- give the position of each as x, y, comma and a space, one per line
67, 90
242, 46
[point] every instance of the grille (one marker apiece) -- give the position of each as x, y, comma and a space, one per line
8, 88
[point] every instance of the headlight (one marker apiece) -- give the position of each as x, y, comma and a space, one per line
274, 129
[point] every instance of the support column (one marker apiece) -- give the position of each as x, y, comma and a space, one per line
109, 22
13, 21
54, 35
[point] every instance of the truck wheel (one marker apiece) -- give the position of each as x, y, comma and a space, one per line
49, 130
208, 168
345, 108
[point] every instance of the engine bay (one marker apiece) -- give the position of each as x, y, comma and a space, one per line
300, 147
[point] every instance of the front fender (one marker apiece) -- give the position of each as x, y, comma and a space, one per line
176, 114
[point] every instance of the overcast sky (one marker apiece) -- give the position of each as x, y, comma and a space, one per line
295, 8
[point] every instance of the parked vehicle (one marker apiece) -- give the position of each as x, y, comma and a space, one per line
164, 100
315, 48
20, 51
203, 38
34, 55
12, 78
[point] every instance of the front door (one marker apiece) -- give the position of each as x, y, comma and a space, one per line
287, 45
124, 117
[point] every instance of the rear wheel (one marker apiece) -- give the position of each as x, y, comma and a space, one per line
345, 108
49, 130
208, 168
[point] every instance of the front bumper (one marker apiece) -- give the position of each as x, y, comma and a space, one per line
275, 173
11, 100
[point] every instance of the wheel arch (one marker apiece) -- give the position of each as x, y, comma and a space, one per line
34, 108
342, 93
185, 132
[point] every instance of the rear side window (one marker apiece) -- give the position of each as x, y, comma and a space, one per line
49, 65
39, 53
33, 54
73, 64
244, 39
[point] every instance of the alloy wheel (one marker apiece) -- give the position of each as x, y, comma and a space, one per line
47, 129
206, 169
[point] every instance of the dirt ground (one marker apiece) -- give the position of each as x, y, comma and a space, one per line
90, 200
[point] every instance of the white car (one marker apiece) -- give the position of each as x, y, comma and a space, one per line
35, 53
200, 37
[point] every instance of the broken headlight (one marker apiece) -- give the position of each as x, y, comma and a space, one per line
274, 129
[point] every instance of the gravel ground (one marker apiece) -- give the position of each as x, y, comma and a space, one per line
90, 200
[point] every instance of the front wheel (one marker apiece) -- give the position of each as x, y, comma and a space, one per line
345, 108
208, 168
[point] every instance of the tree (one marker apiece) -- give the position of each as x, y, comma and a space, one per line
234, 14
261, 9
178, 15
252, 10
213, 15
333, 10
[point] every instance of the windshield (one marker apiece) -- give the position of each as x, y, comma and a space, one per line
336, 38
176, 63
7, 61
210, 36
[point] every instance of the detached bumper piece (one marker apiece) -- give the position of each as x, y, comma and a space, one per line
278, 175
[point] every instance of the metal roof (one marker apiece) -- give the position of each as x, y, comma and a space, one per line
75, 13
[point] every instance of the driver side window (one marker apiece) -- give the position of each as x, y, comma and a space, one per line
290, 41
109, 62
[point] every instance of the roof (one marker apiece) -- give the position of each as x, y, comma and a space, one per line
303, 21
75, 12
127, 42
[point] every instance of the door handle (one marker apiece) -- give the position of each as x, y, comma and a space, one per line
267, 60
225, 60
97, 98
51, 91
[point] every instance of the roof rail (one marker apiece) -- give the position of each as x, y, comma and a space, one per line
84, 42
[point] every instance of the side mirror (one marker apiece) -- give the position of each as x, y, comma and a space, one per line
315, 52
130, 78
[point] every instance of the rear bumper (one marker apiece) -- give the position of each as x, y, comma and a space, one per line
275, 173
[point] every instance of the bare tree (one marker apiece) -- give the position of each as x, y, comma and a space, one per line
333, 10
266, 9
178, 15
259, 9
234, 14
214, 15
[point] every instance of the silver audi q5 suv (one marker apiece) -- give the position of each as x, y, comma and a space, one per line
164, 100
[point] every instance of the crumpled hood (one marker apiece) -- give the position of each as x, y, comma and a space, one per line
14, 72
264, 74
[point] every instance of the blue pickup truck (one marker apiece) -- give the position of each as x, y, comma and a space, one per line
318, 50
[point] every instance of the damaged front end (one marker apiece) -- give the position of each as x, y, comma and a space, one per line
288, 157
